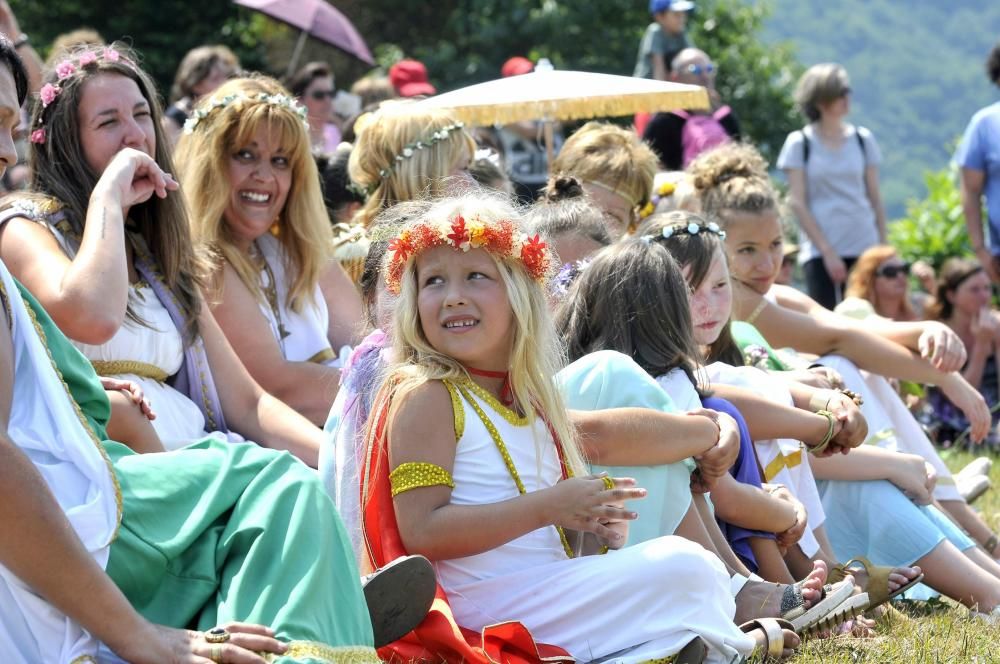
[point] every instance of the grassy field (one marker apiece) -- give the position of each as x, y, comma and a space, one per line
927, 633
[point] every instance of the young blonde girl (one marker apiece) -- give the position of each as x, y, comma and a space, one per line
470, 434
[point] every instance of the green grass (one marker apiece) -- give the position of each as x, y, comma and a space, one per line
936, 633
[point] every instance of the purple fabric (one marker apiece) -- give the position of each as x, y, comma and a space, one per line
195, 376
746, 471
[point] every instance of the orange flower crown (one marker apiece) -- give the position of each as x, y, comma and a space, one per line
501, 237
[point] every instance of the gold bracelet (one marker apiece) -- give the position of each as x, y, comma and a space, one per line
417, 474
830, 419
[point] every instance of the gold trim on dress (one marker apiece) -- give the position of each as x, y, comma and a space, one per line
83, 420
323, 653
781, 462
457, 410
119, 367
502, 410
323, 356
84, 659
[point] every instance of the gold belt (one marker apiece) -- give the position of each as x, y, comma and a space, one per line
118, 367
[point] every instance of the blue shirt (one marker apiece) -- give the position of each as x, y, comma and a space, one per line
980, 151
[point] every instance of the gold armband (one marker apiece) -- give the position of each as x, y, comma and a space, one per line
414, 475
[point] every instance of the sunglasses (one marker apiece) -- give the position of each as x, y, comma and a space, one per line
320, 95
893, 271
698, 70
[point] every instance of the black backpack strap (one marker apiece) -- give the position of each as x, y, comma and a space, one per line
861, 144
805, 148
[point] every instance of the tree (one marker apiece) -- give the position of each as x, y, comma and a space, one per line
466, 41
162, 31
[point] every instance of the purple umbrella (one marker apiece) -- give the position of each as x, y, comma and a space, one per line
318, 19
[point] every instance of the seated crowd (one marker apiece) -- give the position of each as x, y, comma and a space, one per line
612, 434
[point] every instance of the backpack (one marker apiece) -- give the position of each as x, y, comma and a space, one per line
702, 132
857, 135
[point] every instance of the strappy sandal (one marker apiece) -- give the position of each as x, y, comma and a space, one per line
877, 586
774, 636
851, 608
834, 596
398, 597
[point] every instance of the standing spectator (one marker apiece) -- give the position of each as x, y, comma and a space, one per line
313, 86
979, 158
664, 38
202, 70
832, 170
677, 137
409, 77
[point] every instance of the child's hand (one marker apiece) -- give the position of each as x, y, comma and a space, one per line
791, 537
132, 391
716, 461
854, 426
586, 504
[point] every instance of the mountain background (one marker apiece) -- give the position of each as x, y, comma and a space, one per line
916, 68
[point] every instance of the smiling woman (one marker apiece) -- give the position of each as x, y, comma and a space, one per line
254, 192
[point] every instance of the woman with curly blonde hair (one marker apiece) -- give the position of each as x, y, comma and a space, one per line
616, 169
257, 209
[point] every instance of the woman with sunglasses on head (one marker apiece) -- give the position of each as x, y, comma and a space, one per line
313, 86
832, 170
963, 303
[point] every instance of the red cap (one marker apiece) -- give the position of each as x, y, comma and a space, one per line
517, 66
409, 77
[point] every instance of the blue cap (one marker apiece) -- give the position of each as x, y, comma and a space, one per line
657, 6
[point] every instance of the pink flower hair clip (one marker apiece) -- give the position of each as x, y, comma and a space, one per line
38, 136
48, 94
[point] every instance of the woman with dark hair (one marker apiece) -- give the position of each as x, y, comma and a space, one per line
313, 86
963, 303
832, 170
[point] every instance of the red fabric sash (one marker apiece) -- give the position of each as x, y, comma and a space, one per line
438, 638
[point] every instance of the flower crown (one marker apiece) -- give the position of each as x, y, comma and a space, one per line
685, 229
280, 100
64, 70
410, 149
501, 237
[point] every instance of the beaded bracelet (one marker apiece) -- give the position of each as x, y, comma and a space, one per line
823, 444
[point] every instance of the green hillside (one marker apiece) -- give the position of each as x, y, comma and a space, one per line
916, 71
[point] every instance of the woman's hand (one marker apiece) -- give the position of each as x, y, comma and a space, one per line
716, 461
133, 177
909, 473
835, 267
165, 645
968, 400
924, 273
985, 327
586, 504
940, 346
132, 391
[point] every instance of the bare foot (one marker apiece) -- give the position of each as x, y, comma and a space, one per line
763, 599
899, 577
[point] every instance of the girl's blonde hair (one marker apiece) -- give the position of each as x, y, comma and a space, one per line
203, 157
610, 155
536, 354
384, 135
732, 177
